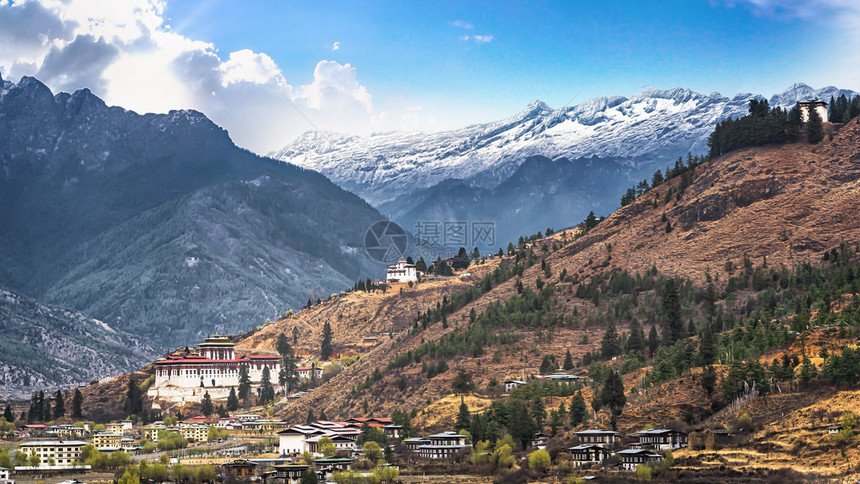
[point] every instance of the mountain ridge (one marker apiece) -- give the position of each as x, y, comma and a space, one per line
159, 221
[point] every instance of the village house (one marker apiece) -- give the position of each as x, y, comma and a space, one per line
444, 445
63, 453
107, 440
589, 454
662, 439
415, 442
150, 432
4, 475
511, 384
630, 458
819, 106
402, 271
602, 438
239, 469
540, 440
564, 378
305, 372
195, 433
115, 427
290, 473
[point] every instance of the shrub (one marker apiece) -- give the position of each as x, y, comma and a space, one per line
643, 473
539, 461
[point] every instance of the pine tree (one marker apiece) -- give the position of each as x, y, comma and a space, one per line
266, 392
636, 340
77, 404
464, 418
609, 346
554, 421
206, 407
59, 405
521, 425
709, 380
671, 321
310, 418
244, 383
568, 361
808, 371
538, 413
613, 397
653, 340
707, 346
46, 407
326, 348
133, 399
814, 127
323, 416
232, 401
7, 414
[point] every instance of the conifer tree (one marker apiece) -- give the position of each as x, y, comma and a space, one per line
464, 418
59, 405
568, 361
653, 340
133, 399
244, 383
7, 414
46, 406
613, 397
310, 418
609, 346
232, 401
671, 317
77, 404
707, 346
206, 407
814, 127
326, 348
578, 410
266, 392
538, 413
636, 340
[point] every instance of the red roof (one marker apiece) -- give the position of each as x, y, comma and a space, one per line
199, 359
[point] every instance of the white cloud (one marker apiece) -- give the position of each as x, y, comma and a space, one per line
125, 53
478, 39
462, 24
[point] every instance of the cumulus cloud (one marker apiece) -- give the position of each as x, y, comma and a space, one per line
125, 53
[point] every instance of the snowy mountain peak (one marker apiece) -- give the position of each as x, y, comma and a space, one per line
656, 125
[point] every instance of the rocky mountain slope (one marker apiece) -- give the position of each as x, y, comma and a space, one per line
787, 203
418, 176
158, 224
46, 347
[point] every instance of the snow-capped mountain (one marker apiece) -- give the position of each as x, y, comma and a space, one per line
652, 127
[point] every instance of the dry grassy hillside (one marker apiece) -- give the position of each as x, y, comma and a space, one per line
789, 203
355, 315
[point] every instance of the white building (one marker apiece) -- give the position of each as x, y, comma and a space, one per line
402, 272
62, 452
819, 106
214, 364
511, 384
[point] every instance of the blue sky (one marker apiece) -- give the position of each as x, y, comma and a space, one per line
268, 71
554, 51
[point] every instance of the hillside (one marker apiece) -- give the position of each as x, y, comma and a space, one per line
790, 203
48, 347
158, 225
